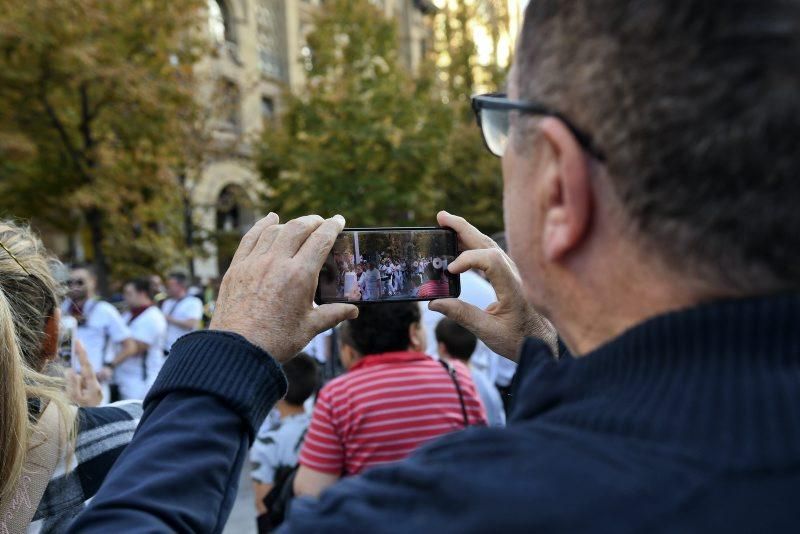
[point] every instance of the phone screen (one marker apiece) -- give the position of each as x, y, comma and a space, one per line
369, 265
66, 341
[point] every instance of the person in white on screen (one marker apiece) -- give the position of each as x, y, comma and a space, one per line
134, 374
101, 329
182, 311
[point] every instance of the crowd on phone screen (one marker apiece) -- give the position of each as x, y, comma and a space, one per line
389, 277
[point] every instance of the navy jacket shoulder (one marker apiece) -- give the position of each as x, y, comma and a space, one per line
686, 423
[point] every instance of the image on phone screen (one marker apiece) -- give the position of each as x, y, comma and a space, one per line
369, 265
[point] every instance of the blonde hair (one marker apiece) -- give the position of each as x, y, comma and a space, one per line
28, 299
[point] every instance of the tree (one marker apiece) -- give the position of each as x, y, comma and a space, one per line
470, 176
361, 138
371, 141
97, 110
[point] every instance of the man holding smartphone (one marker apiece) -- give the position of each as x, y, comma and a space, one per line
650, 167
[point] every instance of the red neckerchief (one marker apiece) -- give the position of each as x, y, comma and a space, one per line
77, 311
389, 357
137, 311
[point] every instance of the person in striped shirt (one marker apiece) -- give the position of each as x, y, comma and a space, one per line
393, 399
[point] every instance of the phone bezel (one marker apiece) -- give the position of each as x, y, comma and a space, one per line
456, 277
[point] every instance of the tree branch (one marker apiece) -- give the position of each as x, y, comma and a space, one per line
76, 157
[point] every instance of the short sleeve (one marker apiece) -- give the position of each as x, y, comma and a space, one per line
323, 449
116, 328
264, 458
191, 309
146, 330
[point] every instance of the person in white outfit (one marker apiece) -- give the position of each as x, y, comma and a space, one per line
101, 329
182, 311
370, 283
135, 374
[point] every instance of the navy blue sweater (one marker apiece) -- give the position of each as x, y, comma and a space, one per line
689, 422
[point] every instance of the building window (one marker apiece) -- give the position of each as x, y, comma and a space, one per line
267, 109
229, 104
271, 48
220, 24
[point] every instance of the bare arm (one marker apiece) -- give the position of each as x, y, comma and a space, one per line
261, 490
130, 347
312, 483
185, 324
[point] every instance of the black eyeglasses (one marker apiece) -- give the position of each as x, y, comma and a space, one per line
492, 111
75, 282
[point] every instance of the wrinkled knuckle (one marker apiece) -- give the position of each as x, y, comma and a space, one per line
298, 225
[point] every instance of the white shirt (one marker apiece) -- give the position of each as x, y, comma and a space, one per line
477, 291
103, 329
495, 413
317, 348
136, 374
188, 307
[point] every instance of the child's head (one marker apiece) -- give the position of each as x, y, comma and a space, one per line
348, 353
303, 377
454, 340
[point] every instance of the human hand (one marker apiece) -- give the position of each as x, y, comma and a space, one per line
105, 374
503, 324
83, 389
268, 291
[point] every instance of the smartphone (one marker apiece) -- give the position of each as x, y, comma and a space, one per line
67, 330
373, 265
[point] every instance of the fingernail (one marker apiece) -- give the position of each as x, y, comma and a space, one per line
337, 216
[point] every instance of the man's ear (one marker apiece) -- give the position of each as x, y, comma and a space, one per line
416, 337
442, 350
567, 199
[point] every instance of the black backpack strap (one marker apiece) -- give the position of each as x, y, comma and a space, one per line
454, 377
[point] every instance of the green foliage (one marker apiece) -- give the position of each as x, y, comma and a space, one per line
358, 142
96, 111
370, 141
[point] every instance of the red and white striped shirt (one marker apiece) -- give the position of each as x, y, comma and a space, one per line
386, 406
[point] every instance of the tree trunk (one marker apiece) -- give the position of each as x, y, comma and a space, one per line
94, 218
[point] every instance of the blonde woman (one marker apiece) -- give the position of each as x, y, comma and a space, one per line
53, 455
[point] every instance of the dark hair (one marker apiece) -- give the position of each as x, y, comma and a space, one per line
179, 277
459, 342
696, 105
302, 375
384, 327
141, 285
88, 267
432, 273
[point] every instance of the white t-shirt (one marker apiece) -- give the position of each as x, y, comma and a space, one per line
495, 413
477, 291
317, 348
188, 307
103, 329
136, 374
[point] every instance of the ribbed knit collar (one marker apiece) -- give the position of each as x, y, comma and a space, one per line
721, 378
